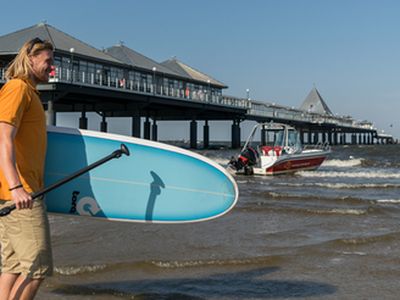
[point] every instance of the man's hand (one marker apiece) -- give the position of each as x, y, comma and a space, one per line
22, 199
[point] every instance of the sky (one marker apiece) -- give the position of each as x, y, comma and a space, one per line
348, 49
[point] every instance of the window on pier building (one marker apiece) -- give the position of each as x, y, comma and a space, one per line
175, 92
170, 87
181, 89
120, 78
98, 79
82, 75
113, 77
65, 68
136, 81
91, 72
143, 82
106, 73
149, 83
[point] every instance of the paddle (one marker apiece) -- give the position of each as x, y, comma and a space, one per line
116, 154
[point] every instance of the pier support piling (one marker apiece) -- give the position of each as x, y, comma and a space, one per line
235, 134
103, 124
136, 124
154, 133
147, 129
193, 134
206, 135
83, 121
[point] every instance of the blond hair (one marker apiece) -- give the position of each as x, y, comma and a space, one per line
20, 67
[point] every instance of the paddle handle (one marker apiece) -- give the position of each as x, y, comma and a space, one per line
116, 154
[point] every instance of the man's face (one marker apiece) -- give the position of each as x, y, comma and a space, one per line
41, 65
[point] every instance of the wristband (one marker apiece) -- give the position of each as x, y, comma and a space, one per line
15, 187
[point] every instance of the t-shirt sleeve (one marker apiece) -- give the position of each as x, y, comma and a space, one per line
13, 102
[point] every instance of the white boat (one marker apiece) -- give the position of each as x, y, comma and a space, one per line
277, 151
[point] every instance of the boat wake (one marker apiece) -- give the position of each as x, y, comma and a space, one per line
334, 174
338, 163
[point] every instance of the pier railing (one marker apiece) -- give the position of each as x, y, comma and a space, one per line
254, 108
206, 95
274, 111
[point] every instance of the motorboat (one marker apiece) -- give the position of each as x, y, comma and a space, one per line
276, 148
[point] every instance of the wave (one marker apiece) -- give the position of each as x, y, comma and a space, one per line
75, 270
353, 162
378, 174
173, 264
342, 185
386, 237
309, 210
338, 211
227, 262
391, 201
313, 197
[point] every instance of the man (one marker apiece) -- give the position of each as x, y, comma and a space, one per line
24, 234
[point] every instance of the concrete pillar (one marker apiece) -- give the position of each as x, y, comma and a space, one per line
335, 137
154, 133
83, 121
235, 134
103, 124
193, 134
310, 138
50, 114
146, 128
316, 137
136, 124
301, 132
206, 135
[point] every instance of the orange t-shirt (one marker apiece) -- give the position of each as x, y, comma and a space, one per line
21, 107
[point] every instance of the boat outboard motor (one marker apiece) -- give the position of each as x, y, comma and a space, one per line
247, 158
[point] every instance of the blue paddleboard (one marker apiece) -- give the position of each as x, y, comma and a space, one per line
157, 183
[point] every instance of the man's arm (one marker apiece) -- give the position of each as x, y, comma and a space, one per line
21, 198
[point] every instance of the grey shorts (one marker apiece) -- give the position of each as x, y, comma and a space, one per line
25, 241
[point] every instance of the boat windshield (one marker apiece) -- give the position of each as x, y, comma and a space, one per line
292, 139
280, 138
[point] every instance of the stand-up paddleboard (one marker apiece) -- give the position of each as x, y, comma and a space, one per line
157, 183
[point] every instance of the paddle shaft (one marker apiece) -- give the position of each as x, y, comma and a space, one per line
116, 154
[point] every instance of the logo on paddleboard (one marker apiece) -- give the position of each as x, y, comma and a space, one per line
86, 206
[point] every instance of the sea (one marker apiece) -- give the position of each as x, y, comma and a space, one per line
333, 233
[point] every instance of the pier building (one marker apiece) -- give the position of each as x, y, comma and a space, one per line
120, 82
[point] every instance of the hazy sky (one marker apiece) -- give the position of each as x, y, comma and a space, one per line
278, 49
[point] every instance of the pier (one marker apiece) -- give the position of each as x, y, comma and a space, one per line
119, 82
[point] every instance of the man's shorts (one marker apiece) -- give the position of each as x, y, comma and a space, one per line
25, 241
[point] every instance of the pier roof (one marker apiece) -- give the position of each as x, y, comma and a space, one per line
315, 104
133, 58
12, 42
188, 71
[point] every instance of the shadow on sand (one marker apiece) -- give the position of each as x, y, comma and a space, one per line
250, 284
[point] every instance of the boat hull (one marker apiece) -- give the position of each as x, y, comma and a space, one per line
292, 163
